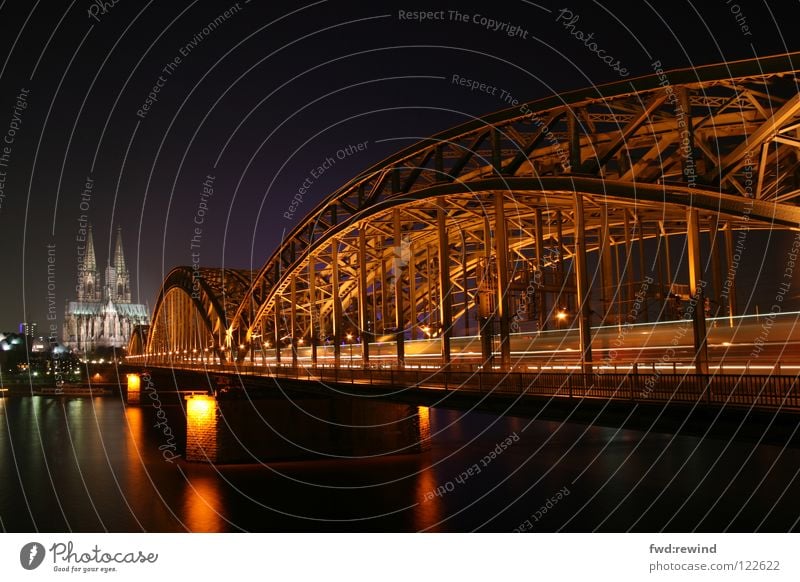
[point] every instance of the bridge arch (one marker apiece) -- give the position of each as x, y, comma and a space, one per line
406, 236
191, 314
553, 212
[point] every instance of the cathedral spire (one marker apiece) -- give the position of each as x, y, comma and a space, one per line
87, 272
119, 257
90, 264
117, 277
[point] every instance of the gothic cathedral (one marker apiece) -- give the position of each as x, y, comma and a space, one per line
103, 316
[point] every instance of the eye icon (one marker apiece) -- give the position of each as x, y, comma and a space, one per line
31, 555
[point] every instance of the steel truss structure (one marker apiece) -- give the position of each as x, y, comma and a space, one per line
601, 206
192, 313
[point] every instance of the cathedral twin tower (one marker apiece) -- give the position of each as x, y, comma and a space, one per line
103, 315
117, 280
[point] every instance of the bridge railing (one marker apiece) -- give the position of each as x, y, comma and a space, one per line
761, 391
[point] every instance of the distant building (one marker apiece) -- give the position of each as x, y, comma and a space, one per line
39, 345
103, 315
27, 329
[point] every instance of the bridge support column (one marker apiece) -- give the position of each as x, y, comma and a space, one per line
619, 286
642, 275
540, 299
399, 319
628, 299
313, 314
665, 266
583, 288
485, 293
731, 298
606, 268
134, 389
375, 276
501, 253
363, 314
384, 296
412, 292
202, 429
293, 316
465, 279
337, 304
716, 270
561, 250
276, 319
445, 286
696, 287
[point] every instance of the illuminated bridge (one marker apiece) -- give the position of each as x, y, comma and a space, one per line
587, 238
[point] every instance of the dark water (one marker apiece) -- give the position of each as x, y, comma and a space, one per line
85, 464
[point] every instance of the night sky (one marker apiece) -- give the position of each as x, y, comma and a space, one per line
252, 104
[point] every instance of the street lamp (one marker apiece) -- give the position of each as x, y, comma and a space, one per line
561, 316
350, 340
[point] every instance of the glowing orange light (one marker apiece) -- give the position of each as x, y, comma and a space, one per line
201, 421
199, 407
134, 383
203, 502
134, 388
424, 415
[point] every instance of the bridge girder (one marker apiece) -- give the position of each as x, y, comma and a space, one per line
628, 132
192, 311
468, 209
637, 156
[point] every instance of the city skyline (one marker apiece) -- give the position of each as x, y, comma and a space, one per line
95, 160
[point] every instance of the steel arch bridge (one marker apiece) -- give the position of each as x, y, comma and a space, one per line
625, 203
192, 312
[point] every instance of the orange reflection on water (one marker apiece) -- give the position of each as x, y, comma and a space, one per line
134, 434
135, 484
202, 504
429, 506
424, 415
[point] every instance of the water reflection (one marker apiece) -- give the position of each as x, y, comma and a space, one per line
428, 509
96, 464
134, 425
202, 504
429, 506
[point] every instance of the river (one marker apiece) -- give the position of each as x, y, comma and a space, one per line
95, 465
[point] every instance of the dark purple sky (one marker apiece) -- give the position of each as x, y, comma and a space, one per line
264, 98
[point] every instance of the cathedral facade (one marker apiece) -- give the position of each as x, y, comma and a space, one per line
103, 315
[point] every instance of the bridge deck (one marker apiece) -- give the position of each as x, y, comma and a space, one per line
765, 392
